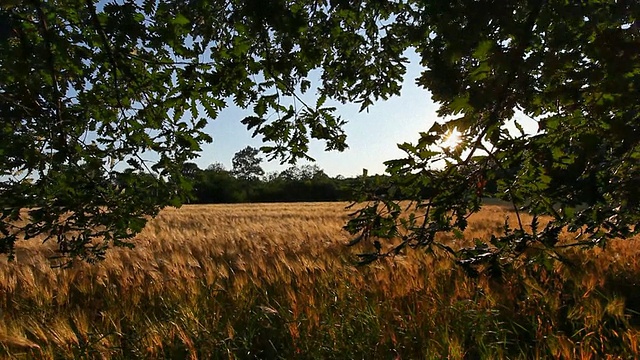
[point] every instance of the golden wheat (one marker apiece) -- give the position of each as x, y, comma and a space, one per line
202, 277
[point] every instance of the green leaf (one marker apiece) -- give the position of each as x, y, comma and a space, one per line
483, 49
180, 19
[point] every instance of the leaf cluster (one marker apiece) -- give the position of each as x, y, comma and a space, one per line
102, 104
572, 69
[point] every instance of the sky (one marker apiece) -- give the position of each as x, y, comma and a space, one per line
372, 135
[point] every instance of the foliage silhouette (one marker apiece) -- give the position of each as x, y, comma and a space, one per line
246, 164
89, 93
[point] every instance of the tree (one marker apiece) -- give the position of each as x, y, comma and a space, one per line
218, 167
574, 68
299, 183
86, 91
304, 172
217, 185
246, 164
190, 170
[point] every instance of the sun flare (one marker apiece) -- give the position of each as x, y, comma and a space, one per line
451, 139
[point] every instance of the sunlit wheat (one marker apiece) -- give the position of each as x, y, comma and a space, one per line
276, 281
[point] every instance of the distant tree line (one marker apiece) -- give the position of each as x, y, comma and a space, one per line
247, 182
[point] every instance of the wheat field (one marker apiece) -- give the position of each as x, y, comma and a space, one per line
269, 281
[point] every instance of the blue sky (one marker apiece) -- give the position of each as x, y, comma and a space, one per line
372, 136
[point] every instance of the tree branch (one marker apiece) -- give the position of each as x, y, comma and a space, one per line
47, 37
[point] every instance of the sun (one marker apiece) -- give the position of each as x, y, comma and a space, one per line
451, 139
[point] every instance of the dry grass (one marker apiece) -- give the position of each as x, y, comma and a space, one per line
275, 281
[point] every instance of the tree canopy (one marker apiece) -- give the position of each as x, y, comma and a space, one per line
246, 164
574, 68
306, 183
90, 94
